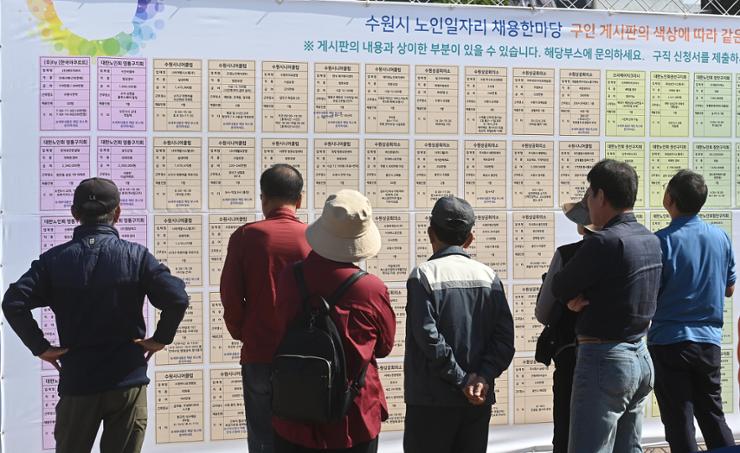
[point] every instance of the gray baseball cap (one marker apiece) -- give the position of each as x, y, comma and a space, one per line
453, 214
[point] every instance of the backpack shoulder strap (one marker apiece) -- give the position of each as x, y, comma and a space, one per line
358, 382
339, 292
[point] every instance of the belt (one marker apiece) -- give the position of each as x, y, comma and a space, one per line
584, 339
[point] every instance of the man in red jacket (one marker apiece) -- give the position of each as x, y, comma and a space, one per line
257, 254
344, 234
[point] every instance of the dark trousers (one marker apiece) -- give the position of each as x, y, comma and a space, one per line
258, 406
562, 387
283, 446
122, 412
435, 429
687, 385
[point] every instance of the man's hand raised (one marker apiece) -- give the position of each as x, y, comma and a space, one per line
150, 346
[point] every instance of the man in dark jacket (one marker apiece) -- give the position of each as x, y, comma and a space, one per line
459, 338
95, 284
613, 281
560, 331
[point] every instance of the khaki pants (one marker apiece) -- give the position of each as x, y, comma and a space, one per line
122, 412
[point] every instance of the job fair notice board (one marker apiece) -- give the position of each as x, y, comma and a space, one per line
184, 105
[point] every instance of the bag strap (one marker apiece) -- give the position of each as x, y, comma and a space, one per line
339, 292
359, 382
336, 295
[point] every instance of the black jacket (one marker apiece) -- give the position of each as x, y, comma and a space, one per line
560, 323
457, 323
95, 284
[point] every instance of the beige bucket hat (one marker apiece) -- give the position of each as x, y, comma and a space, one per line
345, 232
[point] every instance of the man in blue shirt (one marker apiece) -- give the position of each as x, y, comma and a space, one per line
686, 333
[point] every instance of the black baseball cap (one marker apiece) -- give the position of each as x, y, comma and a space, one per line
453, 214
96, 196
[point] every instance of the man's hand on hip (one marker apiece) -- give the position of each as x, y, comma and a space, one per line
150, 346
578, 303
52, 356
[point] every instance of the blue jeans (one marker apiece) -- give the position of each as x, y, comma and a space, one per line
258, 407
610, 386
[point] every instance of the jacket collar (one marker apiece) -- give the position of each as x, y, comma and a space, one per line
451, 250
88, 230
684, 219
281, 213
624, 217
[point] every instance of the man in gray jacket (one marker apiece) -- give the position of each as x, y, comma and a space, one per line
459, 338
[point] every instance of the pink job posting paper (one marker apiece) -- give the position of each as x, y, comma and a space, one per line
121, 94
64, 93
123, 160
64, 162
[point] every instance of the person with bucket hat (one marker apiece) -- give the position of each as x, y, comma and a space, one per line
344, 235
96, 284
459, 338
557, 342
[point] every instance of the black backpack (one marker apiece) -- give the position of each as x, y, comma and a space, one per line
309, 370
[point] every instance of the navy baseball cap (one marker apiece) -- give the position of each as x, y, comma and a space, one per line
96, 196
453, 214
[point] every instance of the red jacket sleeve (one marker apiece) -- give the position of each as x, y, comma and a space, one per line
370, 326
385, 325
233, 293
